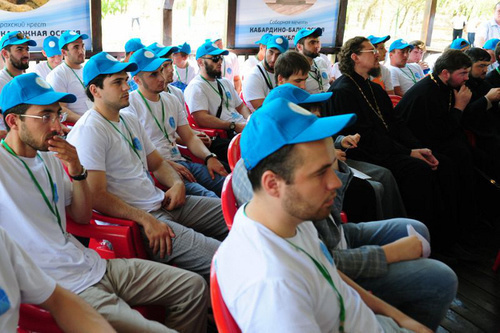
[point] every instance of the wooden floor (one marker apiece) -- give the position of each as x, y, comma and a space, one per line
477, 305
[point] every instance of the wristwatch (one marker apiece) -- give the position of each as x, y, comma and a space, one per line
81, 176
232, 126
209, 157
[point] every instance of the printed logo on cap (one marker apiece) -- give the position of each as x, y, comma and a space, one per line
149, 54
73, 33
279, 40
52, 43
42, 83
297, 109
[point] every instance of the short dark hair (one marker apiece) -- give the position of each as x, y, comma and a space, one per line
282, 162
497, 52
65, 47
97, 81
18, 109
477, 54
289, 63
353, 45
451, 60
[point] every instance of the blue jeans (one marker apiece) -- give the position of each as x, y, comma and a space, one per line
205, 185
421, 288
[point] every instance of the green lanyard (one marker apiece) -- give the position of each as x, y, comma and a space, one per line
412, 77
498, 71
12, 76
52, 206
218, 93
81, 82
187, 70
329, 279
162, 129
130, 143
318, 78
49, 66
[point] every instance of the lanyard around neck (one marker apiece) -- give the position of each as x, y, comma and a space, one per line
316, 77
221, 95
80, 80
186, 76
412, 77
132, 144
52, 206
8, 72
162, 129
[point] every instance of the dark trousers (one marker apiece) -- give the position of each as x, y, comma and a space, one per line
457, 33
471, 36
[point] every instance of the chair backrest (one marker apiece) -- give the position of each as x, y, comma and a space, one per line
223, 318
211, 132
234, 151
395, 99
228, 201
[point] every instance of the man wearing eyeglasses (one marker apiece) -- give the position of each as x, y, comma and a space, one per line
15, 47
307, 42
212, 100
403, 75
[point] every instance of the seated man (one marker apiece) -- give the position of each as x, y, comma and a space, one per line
493, 77
403, 74
21, 281
272, 255
489, 47
384, 79
37, 194
163, 117
251, 62
120, 156
185, 71
52, 53
417, 55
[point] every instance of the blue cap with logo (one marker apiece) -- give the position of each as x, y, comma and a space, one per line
161, 50
491, 44
146, 61
31, 89
377, 40
133, 45
15, 38
263, 39
51, 46
104, 63
459, 44
184, 48
209, 48
281, 122
399, 44
277, 42
69, 36
306, 33
296, 95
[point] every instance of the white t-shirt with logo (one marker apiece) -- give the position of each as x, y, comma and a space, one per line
258, 84
202, 95
160, 123
185, 75
318, 79
230, 67
4, 79
43, 69
405, 77
174, 91
270, 286
69, 80
248, 65
28, 220
102, 148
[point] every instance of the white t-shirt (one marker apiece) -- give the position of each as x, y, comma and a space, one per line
43, 69
102, 148
405, 77
336, 71
36, 228
185, 75
230, 66
21, 281
202, 95
327, 61
69, 80
257, 84
318, 79
172, 90
248, 65
385, 76
4, 79
270, 286
166, 120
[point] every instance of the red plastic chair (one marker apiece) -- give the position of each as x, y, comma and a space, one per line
187, 153
395, 99
211, 132
228, 201
234, 151
223, 318
497, 262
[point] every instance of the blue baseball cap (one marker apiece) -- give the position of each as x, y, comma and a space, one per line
184, 48
281, 122
160, 50
459, 44
146, 61
377, 40
51, 46
296, 95
15, 38
263, 39
400, 44
277, 42
104, 63
31, 89
305, 33
491, 44
69, 36
209, 48
133, 45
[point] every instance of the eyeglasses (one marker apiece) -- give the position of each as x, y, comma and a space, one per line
216, 58
374, 51
48, 117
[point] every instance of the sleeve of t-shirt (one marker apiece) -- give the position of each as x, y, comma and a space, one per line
234, 95
252, 87
57, 82
394, 77
196, 98
91, 145
386, 76
35, 286
181, 114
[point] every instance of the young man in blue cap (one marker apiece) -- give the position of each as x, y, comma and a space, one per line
120, 157
307, 42
230, 65
212, 100
403, 74
163, 118
384, 79
261, 80
184, 71
273, 255
460, 44
37, 194
490, 46
68, 77
251, 62
131, 46
15, 51
52, 53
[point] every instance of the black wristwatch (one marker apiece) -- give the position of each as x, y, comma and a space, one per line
209, 157
232, 126
81, 176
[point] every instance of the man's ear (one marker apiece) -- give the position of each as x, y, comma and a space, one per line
94, 91
11, 121
270, 183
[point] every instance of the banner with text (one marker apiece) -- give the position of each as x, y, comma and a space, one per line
42, 18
